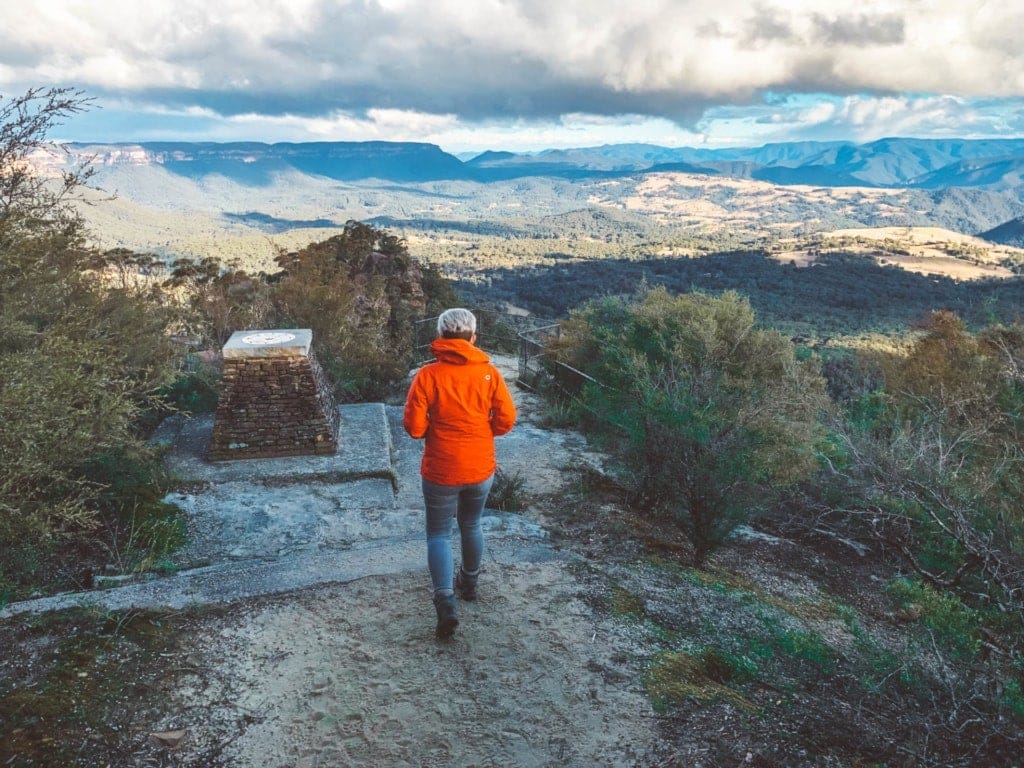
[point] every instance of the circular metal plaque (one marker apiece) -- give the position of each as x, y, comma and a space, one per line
267, 338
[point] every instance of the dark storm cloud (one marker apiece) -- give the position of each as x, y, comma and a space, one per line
15, 53
859, 29
360, 57
768, 25
550, 101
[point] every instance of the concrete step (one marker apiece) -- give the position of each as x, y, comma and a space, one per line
231, 582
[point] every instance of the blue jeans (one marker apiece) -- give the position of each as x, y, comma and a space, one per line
444, 503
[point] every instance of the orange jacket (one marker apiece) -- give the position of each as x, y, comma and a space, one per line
458, 403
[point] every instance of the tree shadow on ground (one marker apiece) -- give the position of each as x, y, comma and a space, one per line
838, 294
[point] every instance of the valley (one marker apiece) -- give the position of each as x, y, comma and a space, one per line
548, 231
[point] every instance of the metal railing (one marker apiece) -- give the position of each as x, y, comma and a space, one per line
496, 331
532, 348
526, 335
538, 369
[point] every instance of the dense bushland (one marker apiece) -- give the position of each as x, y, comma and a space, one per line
926, 457
83, 357
841, 294
716, 413
358, 291
929, 467
934, 461
921, 449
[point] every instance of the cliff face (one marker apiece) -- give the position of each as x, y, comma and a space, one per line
897, 162
397, 161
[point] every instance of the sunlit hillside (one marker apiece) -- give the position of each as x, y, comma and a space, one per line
924, 250
468, 226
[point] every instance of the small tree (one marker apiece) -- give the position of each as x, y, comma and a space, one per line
938, 465
717, 412
83, 353
30, 201
359, 291
221, 299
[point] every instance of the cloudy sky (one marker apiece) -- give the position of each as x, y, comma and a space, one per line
524, 74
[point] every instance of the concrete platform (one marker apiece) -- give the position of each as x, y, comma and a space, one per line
267, 526
364, 451
242, 520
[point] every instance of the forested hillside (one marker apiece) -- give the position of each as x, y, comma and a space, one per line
242, 201
839, 295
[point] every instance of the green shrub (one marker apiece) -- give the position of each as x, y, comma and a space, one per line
142, 538
507, 492
84, 353
716, 413
1013, 698
559, 414
935, 461
958, 626
806, 646
192, 392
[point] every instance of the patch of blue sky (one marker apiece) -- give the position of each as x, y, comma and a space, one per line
776, 117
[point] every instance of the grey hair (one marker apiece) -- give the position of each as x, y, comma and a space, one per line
456, 322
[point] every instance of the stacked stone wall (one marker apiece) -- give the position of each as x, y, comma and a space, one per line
274, 406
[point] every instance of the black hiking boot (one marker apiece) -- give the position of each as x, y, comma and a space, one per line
447, 616
465, 584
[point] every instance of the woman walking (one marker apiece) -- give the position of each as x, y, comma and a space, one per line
459, 403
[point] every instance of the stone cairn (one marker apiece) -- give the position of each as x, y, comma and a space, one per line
275, 399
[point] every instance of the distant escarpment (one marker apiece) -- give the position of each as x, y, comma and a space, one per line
256, 163
890, 162
995, 165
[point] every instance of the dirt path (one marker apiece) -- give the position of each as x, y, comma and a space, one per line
344, 671
350, 674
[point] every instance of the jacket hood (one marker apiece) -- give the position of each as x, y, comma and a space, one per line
457, 352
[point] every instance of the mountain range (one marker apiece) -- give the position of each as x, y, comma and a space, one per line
229, 199
894, 162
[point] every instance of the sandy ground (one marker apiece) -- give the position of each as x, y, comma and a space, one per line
352, 675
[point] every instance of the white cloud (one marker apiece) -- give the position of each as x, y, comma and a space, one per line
867, 118
378, 125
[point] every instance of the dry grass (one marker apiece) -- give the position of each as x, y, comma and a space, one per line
924, 250
472, 228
